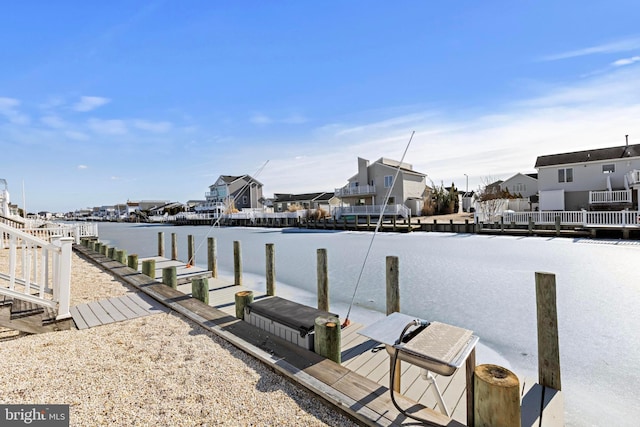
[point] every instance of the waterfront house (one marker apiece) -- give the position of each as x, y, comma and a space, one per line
322, 200
598, 179
232, 192
524, 185
365, 191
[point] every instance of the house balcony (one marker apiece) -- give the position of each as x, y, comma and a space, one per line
361, 190
633, 177
610, 197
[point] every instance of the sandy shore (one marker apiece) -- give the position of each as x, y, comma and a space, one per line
159, 370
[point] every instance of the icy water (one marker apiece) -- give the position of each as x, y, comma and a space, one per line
483, 283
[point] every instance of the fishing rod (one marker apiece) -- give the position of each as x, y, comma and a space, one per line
375, 232
217, 221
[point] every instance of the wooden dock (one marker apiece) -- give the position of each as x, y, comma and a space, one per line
357, 387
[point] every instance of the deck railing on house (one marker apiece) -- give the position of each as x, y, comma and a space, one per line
573, 218
633, 177
75, 231
605, 197
37, 271
355, 191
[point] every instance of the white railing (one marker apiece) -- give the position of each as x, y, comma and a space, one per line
75, 231
398, 210
354, 191
573, 218
616, 196
37, 271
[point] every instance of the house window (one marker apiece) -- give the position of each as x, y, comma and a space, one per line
608, 168
519, 188
388, 181
565, 175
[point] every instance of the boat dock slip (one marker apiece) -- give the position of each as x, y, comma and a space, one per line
358, 386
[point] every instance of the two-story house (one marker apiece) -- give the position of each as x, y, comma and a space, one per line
370, 186
599, 179
232, 192
322, 200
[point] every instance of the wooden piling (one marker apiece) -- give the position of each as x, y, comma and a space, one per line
327, 337
557, 225
170, 277
190, 250
323, 279
161, 243
242, 299
271, 268
174, 246
237, 263
212, 257
149, 268
121, 256
132, 261
200, 289
496, 397
530, 225
393, 306
104, 249
548, 344
112, 253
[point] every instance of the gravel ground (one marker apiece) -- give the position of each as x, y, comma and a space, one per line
159, 370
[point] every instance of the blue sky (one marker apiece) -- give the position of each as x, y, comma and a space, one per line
104, 102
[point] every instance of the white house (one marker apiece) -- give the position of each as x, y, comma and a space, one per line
525, 185
599, 179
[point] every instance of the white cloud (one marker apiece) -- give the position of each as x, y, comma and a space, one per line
109, 127
155, 127
9, 109
626, 61
260, 119
88, 103
613, 47
82, 167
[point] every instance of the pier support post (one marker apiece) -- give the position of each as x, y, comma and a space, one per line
200, 289
190, 250
497, 397
112, 253
161, 243
323, 280
548, 346
104, 249
327, 337
149, 268
174, 246
237, 263
242, 299
212, 257
170, 277
557, 225
530, 225
121, 256
393, 306
271, 268
132, 261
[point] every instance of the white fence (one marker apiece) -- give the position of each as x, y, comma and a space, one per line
75, 231
37, 271
572, 218
398, 210
616, 196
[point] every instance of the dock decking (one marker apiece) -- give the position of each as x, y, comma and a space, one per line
358, 387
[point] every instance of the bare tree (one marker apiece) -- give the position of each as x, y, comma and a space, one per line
490, 199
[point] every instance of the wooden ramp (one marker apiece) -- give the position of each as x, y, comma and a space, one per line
129, 306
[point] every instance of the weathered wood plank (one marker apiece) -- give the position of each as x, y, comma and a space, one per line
77, 318
88, 316
117, 303
100, 313
112, 310
130, 301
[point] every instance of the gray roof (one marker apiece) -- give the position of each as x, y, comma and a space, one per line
611, 153
279, 197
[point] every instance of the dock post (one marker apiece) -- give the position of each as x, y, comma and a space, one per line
327, 337
497, 397
212, 257
170, 277
530, 225
501, 224
200, 289
237, 263
557, 225
174, 246
161, 243
393, 222
271, 268
548, 346
121, 256
132, 261
149, 268
393, 306
466, 225
323, 280
191, 250
104, 249
242, 299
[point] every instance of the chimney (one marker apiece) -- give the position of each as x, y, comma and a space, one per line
626, 137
